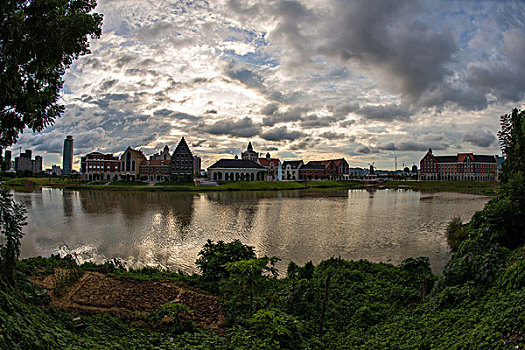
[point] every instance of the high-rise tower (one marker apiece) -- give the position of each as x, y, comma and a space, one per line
67, 156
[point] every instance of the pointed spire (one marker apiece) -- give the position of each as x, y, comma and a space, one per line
250, 148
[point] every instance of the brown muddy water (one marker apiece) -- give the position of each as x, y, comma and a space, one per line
169, 229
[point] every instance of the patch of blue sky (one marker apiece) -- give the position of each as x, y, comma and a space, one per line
254, 58
65, 90
249, 35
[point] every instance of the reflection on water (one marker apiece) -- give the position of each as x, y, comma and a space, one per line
169, 229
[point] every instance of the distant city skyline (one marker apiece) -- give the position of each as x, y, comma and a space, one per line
364, 80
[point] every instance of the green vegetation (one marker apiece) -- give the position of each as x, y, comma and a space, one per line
40, 40
456, 233
478, 187
12, 218
334, 184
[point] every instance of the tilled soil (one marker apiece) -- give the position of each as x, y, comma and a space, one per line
95, 292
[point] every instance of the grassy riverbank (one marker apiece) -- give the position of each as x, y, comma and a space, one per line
238, 302
481, 187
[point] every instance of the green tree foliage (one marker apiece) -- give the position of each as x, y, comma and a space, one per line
247, 279
498, 229
11, 221
214, 256
512, 142
39, 39
456, 233
173, 317
278, 329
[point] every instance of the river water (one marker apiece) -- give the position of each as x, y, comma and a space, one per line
169, 229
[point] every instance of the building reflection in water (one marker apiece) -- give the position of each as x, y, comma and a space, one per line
169, 229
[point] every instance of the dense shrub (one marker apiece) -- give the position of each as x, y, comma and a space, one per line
214, 256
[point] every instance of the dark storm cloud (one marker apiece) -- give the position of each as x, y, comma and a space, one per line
498, 79
389, 38
243, 127
281, 133
198, 143
246, 76
363, 149
412, 57
155, 31
412, 146
385, 113
124, 60
345, 109
314, 121
108, 84
346, 123
305, 144
105, 100
399, 49
483, 138
167, 113
291, 115
332, 136
270, 109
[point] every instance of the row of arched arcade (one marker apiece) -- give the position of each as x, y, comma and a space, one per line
224, 175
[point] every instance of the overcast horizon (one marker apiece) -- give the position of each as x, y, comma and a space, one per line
318, 79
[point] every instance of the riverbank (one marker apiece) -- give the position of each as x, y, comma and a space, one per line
478, 187
238, 302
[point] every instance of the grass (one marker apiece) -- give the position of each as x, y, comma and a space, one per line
483, 187
334, 183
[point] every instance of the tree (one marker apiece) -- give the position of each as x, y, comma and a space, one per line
512, 142
39, 39
214, 256
12, 219
247, 278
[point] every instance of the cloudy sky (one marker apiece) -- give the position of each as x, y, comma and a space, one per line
365, 80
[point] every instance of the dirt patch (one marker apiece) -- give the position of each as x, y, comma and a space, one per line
127, 298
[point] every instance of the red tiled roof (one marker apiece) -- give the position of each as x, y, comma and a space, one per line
137, 153
265, 161
463, 156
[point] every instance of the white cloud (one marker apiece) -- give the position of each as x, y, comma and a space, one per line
301, 72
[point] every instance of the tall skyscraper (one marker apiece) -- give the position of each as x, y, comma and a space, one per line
67, 156
7, 159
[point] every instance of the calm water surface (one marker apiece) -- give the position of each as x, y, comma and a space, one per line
169, 229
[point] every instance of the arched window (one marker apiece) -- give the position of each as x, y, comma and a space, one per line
128, 161
133, 165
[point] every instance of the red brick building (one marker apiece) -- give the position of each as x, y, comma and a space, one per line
273, 167
462, 167
155, 170
96, 166
332, 169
